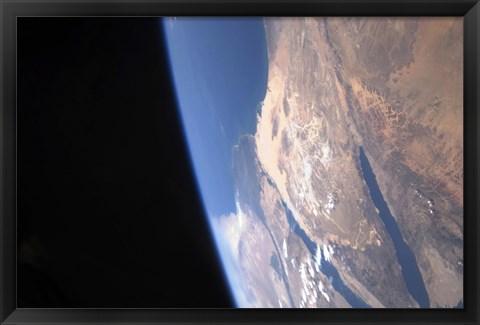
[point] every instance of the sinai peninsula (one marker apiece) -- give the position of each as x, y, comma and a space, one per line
349, 191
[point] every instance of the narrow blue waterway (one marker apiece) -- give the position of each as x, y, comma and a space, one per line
326, 268
406, 258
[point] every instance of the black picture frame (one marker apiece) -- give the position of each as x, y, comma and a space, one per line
9, 10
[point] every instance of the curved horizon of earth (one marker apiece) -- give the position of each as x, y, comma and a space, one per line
275, 111
220, 70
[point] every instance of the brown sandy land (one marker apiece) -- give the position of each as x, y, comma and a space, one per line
370, 47
430, 90
440, 161
271, 152
270, 200
358, 288
268, 150
437, 72
344, 225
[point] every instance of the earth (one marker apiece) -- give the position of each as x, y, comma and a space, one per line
350, 191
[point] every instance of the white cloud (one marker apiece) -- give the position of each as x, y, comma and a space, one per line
318, 259
303, 274
310, 268
326, 253
324, 294
330, 204
330, 249
227, 240
325, 159
304, 295
285, 251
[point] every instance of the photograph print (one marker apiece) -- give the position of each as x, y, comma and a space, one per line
326, 152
